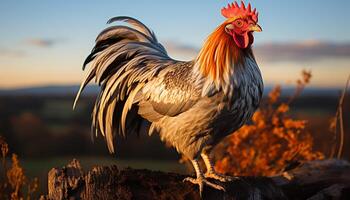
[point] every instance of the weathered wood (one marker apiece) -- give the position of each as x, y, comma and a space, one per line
329, 179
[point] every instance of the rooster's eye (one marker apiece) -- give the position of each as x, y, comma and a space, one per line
239, 23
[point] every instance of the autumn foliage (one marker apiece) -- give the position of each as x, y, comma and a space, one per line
271, 142
14, 184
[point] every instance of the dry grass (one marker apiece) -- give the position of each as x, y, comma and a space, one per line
337, 125
272, 142
14, 184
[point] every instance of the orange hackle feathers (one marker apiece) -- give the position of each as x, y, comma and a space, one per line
217, 54
234, 10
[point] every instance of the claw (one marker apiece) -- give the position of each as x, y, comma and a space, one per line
201, 181
220, 177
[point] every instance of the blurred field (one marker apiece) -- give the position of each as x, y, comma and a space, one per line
40, 126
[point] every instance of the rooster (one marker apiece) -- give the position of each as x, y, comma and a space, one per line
192, 105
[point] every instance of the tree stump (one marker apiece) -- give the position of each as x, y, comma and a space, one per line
327, 179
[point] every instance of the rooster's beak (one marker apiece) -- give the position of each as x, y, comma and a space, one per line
255, 28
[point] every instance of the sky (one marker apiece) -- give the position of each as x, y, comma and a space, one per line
46, 42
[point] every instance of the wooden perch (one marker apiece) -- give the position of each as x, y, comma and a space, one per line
328, 179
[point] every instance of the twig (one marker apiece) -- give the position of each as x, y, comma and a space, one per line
341, 122
301, 83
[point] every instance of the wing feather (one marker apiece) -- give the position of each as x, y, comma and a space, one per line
175, 91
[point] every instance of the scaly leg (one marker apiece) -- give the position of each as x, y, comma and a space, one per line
211, 172
200, 180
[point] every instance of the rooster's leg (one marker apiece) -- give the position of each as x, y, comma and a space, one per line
200, 180
211, 171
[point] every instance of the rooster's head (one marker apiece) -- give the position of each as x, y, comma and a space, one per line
241, 22
230, 43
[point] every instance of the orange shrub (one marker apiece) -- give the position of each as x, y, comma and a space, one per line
14, 184
271, 142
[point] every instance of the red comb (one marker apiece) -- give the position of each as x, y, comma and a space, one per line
233, 10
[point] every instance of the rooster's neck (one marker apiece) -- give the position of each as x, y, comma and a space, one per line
219, 56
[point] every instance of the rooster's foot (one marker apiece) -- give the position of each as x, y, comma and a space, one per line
201, 181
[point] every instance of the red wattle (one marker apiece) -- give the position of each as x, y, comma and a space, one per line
242, 41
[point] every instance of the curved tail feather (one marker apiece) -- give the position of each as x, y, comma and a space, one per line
123, 60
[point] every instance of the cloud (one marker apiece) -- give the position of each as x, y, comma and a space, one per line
302, 51
4, 52
181, 51
39, 42
275, 51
